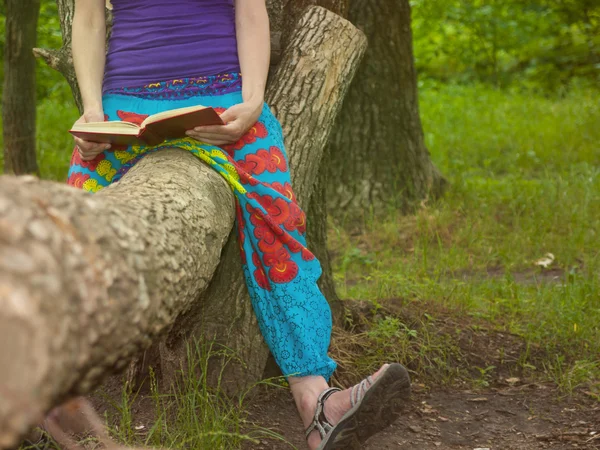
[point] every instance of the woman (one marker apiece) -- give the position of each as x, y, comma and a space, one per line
165, 55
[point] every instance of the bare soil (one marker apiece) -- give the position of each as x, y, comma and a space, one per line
524, 417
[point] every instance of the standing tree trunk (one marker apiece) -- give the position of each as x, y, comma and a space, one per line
377, 153
18, 98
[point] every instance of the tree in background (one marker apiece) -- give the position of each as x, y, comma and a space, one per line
377, 154
19, 89
385, 82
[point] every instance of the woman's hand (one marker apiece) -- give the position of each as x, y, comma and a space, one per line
89, 150
238, 120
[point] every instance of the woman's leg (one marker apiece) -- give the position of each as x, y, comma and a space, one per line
281, 274
92, 175
106, 168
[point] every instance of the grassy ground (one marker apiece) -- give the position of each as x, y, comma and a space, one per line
193, 415
54, 144
524, 182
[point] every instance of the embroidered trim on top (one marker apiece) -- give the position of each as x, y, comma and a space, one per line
185, 87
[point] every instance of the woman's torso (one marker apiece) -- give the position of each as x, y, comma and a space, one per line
158, 40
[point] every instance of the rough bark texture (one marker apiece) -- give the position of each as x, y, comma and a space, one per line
89, 281
317, 210
285, 13
306, 93
18, 98
377, 151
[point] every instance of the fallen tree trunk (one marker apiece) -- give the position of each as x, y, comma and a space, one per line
86, 282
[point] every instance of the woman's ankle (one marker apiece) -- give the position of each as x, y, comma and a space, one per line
305, 391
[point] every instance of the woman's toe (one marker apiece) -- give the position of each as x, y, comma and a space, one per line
339, 403
377, 401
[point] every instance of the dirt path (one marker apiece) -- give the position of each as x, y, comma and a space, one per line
523, 417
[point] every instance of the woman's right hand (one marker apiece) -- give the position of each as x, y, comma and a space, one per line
89, 150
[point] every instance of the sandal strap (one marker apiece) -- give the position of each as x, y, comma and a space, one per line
358, 390
320, 422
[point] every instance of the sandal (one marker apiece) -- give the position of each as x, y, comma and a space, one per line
374, 406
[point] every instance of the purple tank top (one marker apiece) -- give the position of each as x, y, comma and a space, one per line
159, 40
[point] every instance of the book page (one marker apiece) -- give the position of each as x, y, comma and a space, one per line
116, 127
171, 113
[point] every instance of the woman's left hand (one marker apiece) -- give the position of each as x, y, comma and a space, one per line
238, 120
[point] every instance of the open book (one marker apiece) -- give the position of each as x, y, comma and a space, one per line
147, 130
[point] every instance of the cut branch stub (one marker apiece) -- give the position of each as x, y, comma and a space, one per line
317, 67
62, 60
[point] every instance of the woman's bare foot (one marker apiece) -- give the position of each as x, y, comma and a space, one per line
306, 391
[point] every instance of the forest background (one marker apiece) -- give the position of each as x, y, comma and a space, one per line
509, 97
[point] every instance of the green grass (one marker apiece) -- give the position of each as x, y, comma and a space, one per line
194, 414
525, 181
54, 143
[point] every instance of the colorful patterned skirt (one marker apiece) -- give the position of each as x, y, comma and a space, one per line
281, 273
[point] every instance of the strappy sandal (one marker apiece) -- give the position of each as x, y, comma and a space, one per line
374, 406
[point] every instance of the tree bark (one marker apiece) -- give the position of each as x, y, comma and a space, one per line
284, 14
89, 281
18, 98
318, 212
377, 154
316, 231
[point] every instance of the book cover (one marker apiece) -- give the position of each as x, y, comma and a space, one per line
153, 130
